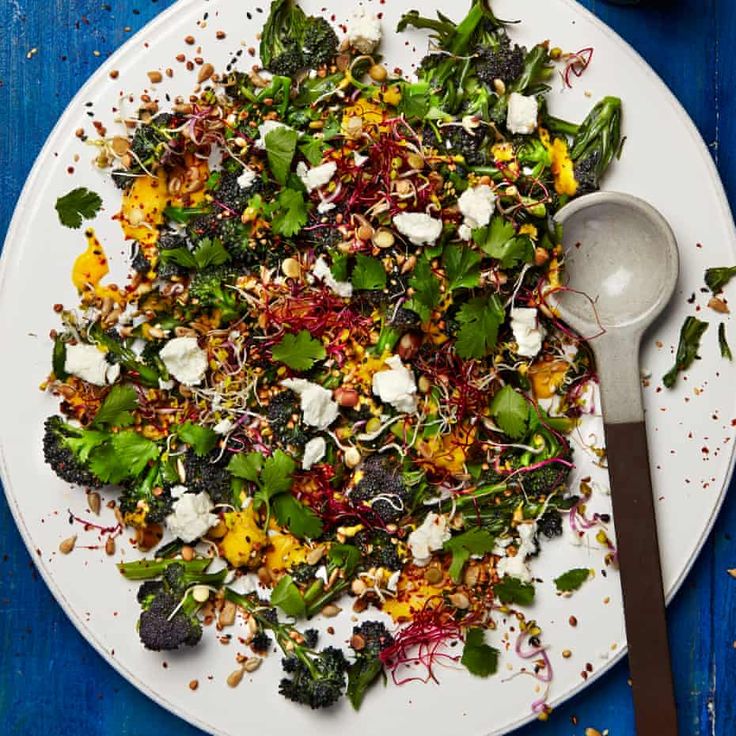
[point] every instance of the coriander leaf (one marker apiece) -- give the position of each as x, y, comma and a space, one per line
180, 256
361, 675
210, 253
299, 519
492, 239
473, 542
510, 410
572, 579
426, 290
300, 352
78, 204
687, 350
479, 658
183, 215
115, 409
276, 473
291, 213
344, 556
288, 598
415, 100
90, 440
461, 267
201, 439
280, 148
312, 148
125, 456
339, 266
247, 466
479, 320
723, 342
514, 591
368, 273
717, 278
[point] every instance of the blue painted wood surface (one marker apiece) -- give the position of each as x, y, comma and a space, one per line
51, 681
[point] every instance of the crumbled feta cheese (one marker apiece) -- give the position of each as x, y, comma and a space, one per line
89, 363
317, 176
266, 127
223, 427
324, 207
528, 333
321, 574
477, 205
165, 385
419, 227
191, 516
322, 271
522, 114
314, 451
527, 541
396, 386
364, 31
318, 408
178, 491
359, 158
427, 538
514, 567
465, 232
185, 360
393, 581
247, 178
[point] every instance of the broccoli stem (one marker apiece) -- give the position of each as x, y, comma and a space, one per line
387, 339
317, 602
563, 127
150, 569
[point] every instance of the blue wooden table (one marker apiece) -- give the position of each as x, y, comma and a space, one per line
51, 681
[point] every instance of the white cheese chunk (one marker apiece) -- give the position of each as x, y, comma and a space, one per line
322, 271
247, 178
318, 408
89, 363
418, 227
477, 205
396, 386
528, 333
427, 538
317, 176
522, 115
185, 360
191, 516
314, 451
514, 567
364, 31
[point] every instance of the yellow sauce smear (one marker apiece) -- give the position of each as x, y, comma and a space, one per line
91, 267
143, 208
562, 166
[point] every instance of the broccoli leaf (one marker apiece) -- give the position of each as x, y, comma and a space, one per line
514, 591
288, 598
426, 290
572, 579
479, 320
361, 675
510, 410
687, 350
300, 520
723, 342
291, 213
201, 439
281, 147
368, 273
77, 205
300, 352
115, 409
461, 267
247, 466
479, 658
473, 542
717, 278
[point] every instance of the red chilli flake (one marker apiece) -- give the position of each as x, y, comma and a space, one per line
423, 643
576, 65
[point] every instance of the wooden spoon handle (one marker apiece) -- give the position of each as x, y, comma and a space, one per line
641, 579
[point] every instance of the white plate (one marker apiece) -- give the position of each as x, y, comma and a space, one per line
690, 431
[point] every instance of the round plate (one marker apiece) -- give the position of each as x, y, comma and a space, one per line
690, 428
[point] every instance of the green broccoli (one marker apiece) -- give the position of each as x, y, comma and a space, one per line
66, 449
212, 289
147, 499
368, 641
209, 474
119, 351
319, 42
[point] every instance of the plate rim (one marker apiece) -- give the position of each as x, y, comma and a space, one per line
56, 133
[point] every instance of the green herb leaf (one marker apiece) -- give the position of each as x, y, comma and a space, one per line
291, 213
201, 439
280, 148
473, 542
361, 675
210, 253
312, 149
300, 352
461, 267
723, 342
58, 359
687, 351
276, 473
247, 466
479, 658
415, 100
572, 579
288, 598
479, 320
344, 556
510, 410
368, 273
180, 256
426, 290
125, 456
339, 266
183, 215
499, 241
77, 205
513, 591
717, 278
115, 409
300, 520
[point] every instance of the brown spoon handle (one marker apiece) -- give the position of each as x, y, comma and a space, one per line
641, 579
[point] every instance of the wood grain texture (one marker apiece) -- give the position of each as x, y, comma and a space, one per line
51, 681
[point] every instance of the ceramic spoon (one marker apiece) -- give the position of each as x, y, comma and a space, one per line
622, 262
